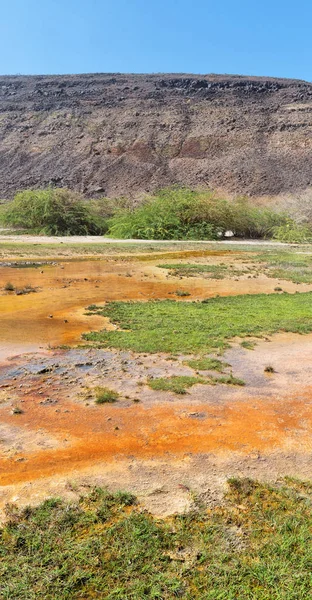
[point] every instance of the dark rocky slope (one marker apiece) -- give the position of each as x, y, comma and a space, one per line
107, 134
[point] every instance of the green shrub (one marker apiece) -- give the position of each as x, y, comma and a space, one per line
292, 233
185, 214
53, 211
104, 395
172, 214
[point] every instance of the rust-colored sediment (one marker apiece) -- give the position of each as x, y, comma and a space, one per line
243, 427
84, 436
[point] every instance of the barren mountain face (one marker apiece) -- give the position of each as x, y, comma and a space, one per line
107, 134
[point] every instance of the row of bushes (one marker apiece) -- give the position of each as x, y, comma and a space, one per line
171, 214
187, 214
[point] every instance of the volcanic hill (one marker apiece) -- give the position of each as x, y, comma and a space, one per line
114, 134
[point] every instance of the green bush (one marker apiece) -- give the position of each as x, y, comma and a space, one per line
53, 211
172, 214
292, 233
185, 214
104, 395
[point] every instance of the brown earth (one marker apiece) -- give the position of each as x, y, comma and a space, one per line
113, 134
162, 446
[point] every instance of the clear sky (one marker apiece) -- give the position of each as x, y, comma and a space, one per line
249, 37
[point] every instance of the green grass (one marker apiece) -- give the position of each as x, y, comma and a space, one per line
258, 546
193, 270
288, 266
207, 364
194, 327
176, 384
104, 395
248, 345
229, 380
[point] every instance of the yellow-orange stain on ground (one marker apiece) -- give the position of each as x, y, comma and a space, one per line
107, 432
55, 315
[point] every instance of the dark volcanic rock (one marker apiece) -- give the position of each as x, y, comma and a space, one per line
107, 134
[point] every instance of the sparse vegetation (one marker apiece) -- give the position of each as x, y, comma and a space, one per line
104, 395
248, 345
182, 293
200, 270
257, 545
65, 249
269, 369
9, 287
27, 289
288, 266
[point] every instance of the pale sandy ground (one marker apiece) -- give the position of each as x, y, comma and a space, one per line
96, 239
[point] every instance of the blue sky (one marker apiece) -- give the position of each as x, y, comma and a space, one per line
270, 38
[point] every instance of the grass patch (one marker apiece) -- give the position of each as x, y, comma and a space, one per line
176, 384
256, 546
103, 395
192, 327
248, 345
229, 380
194, 270
207, 364
287, 266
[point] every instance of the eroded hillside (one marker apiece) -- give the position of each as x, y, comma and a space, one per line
113, 134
